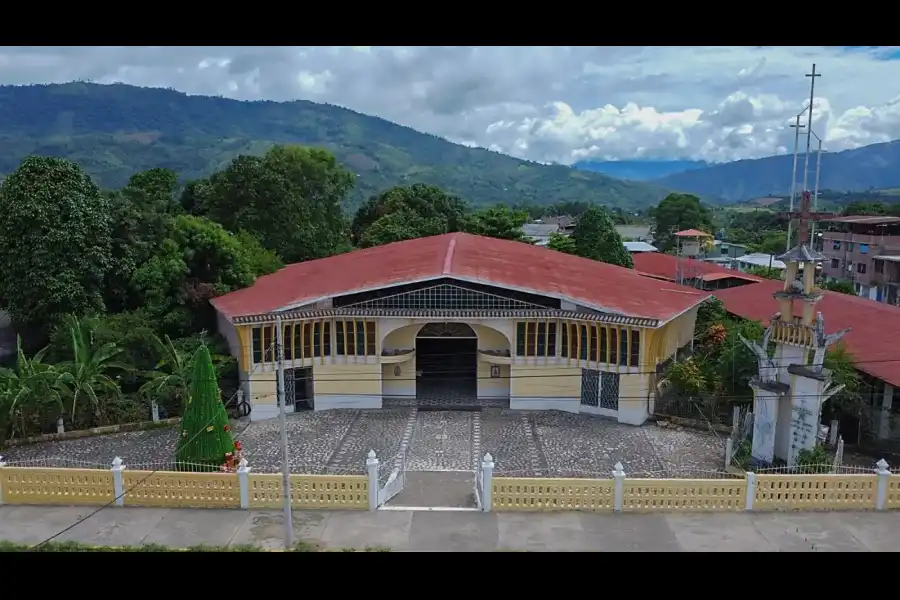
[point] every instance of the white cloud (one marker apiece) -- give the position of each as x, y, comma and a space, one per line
557, 104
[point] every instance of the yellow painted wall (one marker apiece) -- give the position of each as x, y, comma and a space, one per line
263, 388
529, 381
355, 379
633, 391
490, 387
662, 343
404, 385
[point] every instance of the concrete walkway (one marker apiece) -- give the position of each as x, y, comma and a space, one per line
466, 531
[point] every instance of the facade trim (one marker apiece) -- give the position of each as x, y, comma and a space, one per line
351, 312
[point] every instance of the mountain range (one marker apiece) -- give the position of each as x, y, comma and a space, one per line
639, 170
113, 131
876, 166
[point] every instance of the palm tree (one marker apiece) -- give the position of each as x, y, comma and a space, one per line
32, 384
172, 374
89, 370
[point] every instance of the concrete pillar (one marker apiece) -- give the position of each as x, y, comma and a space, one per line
372, 472
118, 481
618, 487
243, 473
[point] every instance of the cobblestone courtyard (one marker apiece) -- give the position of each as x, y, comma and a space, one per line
548, 444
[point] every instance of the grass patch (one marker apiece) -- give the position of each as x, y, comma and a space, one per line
79, 547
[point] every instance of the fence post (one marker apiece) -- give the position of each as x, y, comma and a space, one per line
372, 471
154, 411
2, 464
838, 455
729, 451
118, 481
735, 421
60, 426
884, 475
243, 473
833, 432
618, 486
751, 490
487, 482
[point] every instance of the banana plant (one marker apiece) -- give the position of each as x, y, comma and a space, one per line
90, 371
172, 371
30, 384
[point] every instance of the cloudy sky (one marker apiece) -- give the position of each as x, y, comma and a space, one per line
557, 104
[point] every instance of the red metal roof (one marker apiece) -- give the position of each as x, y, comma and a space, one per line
872, 341
864, 220
655, 264
692, 233
490, 261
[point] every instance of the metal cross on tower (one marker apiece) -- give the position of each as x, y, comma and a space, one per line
803, 217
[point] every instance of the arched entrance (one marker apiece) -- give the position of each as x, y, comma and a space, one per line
446, 364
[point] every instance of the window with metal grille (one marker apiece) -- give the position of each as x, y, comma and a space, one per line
609, 390
355, 338
447, 297
590, 387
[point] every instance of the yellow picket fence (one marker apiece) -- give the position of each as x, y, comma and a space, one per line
772, 492
172, 489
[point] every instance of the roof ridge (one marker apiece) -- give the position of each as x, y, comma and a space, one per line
448, 257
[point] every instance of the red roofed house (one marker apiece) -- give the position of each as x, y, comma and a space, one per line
872, 341
459, 320
687, 271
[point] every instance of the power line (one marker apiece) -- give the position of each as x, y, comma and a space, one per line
136, 485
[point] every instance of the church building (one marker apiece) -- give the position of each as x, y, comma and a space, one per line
458, 321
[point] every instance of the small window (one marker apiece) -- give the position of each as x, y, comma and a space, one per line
724, 251
879, 266
613, 346
863, 248
836, 245
257, 345
850, 246
564, 343
860, 267
520, 339
623, 347
635, 347
835, 263
286, 342
371, 342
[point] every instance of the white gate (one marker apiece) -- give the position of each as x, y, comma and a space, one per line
391, 477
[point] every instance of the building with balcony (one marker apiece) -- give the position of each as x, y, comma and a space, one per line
863, 249
456, 321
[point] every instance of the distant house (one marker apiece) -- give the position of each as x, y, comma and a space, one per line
687, 271
726, 250
540, 232
757, 259
639, 247
635, 233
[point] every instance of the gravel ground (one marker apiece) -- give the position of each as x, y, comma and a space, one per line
524, 444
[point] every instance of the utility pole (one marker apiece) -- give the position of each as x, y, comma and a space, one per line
282, 415
797, 127
812, 90
816, 189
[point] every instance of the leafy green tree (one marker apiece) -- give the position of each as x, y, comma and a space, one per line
678, 212
562, 243
771, 242
141, 213
197, 261
90, 372
498, 222
596, 238
423, 210
54, 242
289, 199
205, 437
841, 286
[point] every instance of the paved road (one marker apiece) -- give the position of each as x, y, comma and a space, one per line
467, 531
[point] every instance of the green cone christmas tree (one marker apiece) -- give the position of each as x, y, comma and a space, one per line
205, 436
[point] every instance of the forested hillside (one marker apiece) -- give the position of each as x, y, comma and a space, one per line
115, 131
871, 167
